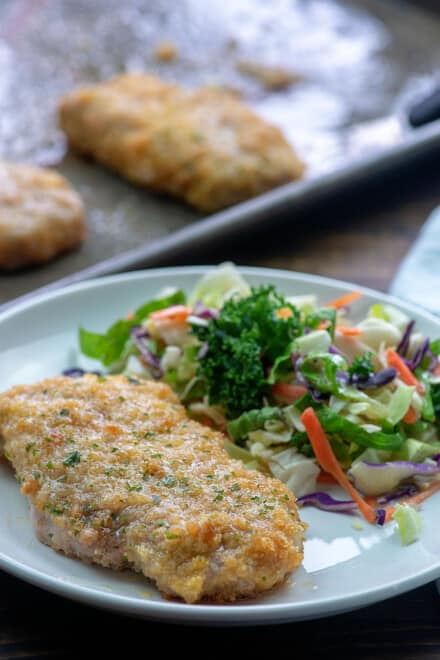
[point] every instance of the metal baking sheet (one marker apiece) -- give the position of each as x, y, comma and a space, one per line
355, 62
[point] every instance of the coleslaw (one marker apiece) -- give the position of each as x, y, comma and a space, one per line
301, 390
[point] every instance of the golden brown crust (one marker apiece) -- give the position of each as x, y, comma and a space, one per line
272, 77
205, 147
165, 51
41, 216
118, 474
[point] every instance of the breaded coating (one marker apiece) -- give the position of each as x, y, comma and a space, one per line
205, 147
272, 77
41, 216
117, 474
165, 51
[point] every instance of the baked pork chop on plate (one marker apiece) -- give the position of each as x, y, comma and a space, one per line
117, 474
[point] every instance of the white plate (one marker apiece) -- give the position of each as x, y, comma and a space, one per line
344, 568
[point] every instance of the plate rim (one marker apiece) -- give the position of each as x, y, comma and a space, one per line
207, 614
33, 300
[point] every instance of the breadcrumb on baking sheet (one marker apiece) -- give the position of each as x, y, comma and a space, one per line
271, 77
165, 51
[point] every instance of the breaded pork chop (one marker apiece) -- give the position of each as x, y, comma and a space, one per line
41, 215
117, 474
205, 147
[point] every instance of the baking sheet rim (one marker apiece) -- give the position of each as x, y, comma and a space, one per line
250, 213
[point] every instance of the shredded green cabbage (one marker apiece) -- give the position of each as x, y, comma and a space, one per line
409, 523
218, 285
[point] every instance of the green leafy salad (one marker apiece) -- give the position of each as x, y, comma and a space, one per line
301, 390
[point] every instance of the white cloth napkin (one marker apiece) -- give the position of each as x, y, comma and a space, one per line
418, 276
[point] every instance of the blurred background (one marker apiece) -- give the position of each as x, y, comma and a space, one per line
337, 77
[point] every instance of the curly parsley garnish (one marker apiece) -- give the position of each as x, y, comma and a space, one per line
249, 335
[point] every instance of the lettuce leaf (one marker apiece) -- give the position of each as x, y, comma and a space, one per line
218, 285
435, 346
315, 318
109, 346
317, 341
320, 370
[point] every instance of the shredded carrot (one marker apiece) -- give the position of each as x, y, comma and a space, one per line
405, 373
437, 370
130, 316
329, 463
389, 513
56, 437
325, 478
113, 429
207, 421
349, 332
323, 325
284, 313
415, 500
410, 417
177, 313
344, 300
289, 393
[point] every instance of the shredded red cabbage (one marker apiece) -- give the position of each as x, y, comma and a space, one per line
377, 379
77, 372
433, 360
342, 377
204, 312
203, 351
412, 468
408, 490
326, 502
299, 376
319, 397
419, 355
138, 334
402, 347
